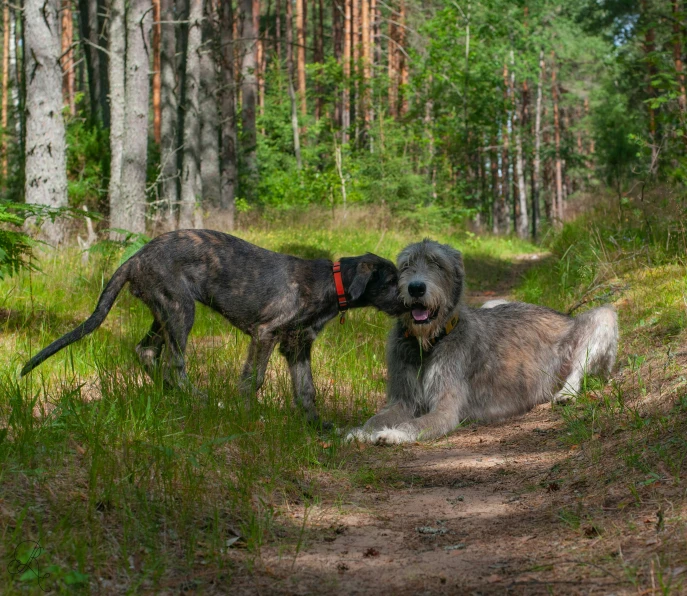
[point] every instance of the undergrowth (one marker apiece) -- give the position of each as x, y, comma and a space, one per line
128, 487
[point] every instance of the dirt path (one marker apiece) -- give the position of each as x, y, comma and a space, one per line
478, 512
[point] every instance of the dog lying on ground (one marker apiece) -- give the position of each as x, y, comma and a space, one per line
448, 362
274, 298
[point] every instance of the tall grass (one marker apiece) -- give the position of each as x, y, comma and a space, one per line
127, 486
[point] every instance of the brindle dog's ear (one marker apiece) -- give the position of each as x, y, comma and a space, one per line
363, 273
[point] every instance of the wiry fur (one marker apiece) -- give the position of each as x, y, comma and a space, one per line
497, 362
272, 297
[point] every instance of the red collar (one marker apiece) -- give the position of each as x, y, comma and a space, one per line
340, 293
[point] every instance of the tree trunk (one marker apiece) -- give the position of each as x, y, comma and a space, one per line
259, 57
46, 167
557, 207
157, 68
403, 62
248, 94
319, 52
649, 48
677, 55
292, 91
169, 133
191, 191
132, 209
277, 41
392, 69
367, 63
117, 66
521, 222
91, 24
209, 111
67, 58
229, 167
346, 100
536, 174
300, 53
5, 83
501, 216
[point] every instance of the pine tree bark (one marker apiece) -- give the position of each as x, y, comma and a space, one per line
229, 169
157, 72
346, 95
248, 93
557, 206
67, 57
521, 219
501, 212
300, 53
291, 90
392, 69
132, 210
169, 105
191, 190
45, 158
367, 55
403, 62
5, 83
209, 111
536, 174
318, 10
90, 26
117, 73
259, 58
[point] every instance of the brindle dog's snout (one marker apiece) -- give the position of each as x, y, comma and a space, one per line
417, 289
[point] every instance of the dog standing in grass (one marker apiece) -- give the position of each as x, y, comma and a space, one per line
274, 298
448, 362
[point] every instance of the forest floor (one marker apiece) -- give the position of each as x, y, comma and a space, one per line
130, 488
507, 508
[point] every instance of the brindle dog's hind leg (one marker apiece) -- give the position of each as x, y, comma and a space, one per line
149, 349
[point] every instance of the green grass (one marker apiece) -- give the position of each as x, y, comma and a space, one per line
130, 487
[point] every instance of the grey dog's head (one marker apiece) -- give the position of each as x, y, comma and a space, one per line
430, 284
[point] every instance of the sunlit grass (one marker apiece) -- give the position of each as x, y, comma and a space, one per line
125, 484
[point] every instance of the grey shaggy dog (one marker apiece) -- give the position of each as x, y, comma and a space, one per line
272, 297
448, 362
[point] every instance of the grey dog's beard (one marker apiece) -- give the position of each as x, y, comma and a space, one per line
425, 332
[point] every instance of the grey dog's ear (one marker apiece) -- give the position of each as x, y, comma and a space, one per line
363, 272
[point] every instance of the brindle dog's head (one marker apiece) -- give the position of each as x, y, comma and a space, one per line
372, 281
431, 285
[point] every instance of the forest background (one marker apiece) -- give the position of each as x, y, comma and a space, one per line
497, 112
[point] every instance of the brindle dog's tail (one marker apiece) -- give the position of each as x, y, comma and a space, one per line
107, 298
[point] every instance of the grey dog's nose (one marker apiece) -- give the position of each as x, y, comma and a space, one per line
417, 289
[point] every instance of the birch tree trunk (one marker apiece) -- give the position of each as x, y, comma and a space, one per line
46, 166
228, 90
131, 211
292, 91
169, 126
248, 92
209, 111
116, 63
190, 172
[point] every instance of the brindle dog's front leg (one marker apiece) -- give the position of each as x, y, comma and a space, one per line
296, 347
253, 373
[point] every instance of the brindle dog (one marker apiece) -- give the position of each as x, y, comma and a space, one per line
274, 298
448, 362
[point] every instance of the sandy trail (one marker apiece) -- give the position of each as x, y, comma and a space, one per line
475, 513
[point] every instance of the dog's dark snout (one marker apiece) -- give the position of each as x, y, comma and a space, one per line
417, 289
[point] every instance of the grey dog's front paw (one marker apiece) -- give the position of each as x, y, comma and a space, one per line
358, 434
393, 436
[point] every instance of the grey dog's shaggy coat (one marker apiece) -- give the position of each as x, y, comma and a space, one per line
448, 362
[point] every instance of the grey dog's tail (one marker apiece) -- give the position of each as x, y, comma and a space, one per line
105, 302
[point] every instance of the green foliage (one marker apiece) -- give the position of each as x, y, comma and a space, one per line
15, 245
88, 154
